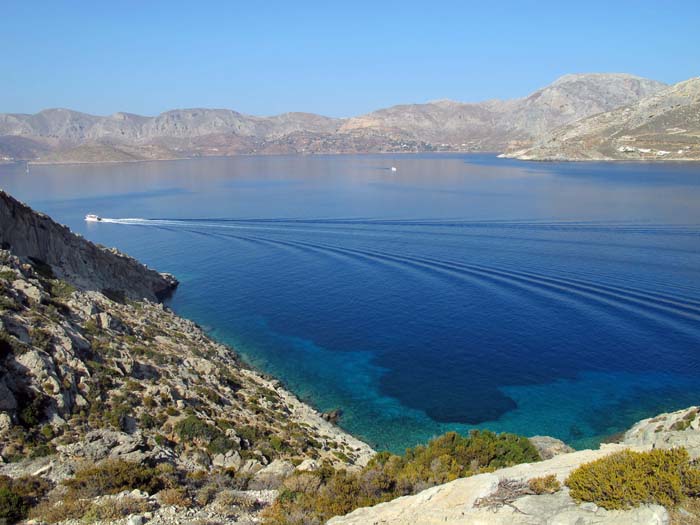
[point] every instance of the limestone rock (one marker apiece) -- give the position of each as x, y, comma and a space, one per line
548, 447
232, 459
29, 290
272, 475
308, 465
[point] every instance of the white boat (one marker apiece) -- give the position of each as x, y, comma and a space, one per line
393, 168
91, 217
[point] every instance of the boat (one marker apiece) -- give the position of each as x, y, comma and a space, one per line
91, 217
393, 168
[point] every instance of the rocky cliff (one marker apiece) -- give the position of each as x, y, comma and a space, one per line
661, 126
111, 407
56, 250
61, 135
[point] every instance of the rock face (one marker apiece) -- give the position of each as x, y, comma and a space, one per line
61, 135
36, 237
661, 126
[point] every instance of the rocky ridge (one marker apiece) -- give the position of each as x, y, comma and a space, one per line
54, 249
62, 135
661, 126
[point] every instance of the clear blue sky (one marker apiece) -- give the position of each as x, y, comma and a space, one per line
338, 58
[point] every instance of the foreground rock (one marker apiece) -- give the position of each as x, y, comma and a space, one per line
661, 126
475, 500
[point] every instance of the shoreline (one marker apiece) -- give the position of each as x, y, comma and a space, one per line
497, 154
303, 409
324, 154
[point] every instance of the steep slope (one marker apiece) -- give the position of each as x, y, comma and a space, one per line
105, 402
662, 126
61, 135
58, 251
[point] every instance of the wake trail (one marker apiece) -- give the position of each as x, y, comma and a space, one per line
641, 303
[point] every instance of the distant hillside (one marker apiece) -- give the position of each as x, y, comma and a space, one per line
62, 135
493, 124
662, 126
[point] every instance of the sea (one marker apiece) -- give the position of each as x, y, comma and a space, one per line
460, 291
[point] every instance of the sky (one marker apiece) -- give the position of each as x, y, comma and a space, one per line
333, 57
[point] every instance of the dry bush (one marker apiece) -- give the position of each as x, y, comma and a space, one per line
56, 510
227, 501
687, 514
544, 485
174, 497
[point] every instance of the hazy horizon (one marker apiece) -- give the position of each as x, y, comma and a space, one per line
325, 59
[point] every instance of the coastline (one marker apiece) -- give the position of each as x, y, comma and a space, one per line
500, 155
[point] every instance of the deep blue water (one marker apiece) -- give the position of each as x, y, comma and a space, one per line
461, 291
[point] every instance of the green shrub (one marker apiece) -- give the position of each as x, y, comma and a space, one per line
220, 445
627, 479
544, 485
12, 506
18, 495
61, 289
318, 496
192, 428
112, 477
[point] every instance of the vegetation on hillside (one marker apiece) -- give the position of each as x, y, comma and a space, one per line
627, 479
310, 498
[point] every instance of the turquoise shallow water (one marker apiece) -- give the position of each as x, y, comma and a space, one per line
462, 291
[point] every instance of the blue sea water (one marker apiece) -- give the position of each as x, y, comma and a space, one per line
461, 291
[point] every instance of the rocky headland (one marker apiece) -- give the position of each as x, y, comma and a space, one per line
94, 371
660, 127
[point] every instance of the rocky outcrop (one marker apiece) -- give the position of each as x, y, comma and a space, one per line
53, 248
661, 126
61, 135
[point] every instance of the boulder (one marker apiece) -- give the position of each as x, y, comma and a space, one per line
232, 459
271, 476
548, 447
29, 290
308, 465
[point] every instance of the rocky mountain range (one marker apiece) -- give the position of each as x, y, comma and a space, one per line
662, 126
62, 135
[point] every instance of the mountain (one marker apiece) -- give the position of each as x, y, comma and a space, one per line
661, 126
493, 124
62, 135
